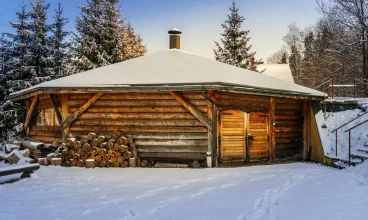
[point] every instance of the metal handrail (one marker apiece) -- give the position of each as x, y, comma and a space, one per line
343, 126
349, 130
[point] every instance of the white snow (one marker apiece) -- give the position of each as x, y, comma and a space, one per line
279, 71
3, 179
328, 122
172, 67
288, 191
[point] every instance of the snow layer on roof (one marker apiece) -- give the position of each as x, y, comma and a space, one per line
280, 71
170, 67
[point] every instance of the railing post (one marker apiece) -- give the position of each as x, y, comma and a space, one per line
349, 148
336, 143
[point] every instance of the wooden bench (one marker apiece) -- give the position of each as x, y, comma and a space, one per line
25, 169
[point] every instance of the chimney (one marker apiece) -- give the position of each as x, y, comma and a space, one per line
175, 38
252, 61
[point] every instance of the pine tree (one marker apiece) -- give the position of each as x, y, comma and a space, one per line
17, 75
235, 50
284, 58
38, 59
103, 38
60, 48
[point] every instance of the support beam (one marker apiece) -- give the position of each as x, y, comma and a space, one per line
306, 107
192, 109
272, 142
80, 111
56, 108
30, 112
65, 114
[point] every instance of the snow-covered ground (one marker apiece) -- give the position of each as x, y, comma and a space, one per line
288, 191
12, 177
330, 121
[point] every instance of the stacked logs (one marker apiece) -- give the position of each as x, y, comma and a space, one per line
99, 151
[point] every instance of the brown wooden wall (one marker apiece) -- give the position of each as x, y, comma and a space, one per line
288, 127
242, 102
160, 125
38, 130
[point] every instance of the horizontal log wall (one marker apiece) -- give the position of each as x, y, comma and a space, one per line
47, 134
242, 102
288, 127
161, 126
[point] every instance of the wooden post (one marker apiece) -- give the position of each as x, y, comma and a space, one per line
192, 109
56, 108
65, 113
80, 111
305, 130
272, 129
30, 111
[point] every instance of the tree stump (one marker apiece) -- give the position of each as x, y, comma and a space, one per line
196, 164
124, 164
56, 161
144, 163
127, 155
90, 163
132, 162
77, 145
42, 161
86, 147
91, 136
102, 164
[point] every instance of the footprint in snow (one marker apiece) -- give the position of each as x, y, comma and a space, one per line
202, 191
162, 204
150, 193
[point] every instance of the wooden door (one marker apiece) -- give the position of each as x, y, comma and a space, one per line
233, 135
257, 136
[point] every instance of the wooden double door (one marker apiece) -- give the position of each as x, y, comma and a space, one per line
243, 137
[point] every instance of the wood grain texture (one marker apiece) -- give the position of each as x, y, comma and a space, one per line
30, 112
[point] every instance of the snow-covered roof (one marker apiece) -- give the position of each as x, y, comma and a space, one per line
280, 71
171, 68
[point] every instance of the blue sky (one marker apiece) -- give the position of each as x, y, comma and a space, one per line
198, 19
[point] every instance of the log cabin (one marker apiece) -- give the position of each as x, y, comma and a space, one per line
178, 107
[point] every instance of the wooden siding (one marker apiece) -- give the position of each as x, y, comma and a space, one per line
288, 127
257, 128
317, 154
233, 135
161, 126
242, 102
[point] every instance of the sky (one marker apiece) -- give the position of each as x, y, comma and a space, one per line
199, 20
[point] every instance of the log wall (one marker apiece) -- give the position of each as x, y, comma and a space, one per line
288, 127
242, 102
160, 125
38, 130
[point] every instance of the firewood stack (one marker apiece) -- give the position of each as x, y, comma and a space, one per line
100, 151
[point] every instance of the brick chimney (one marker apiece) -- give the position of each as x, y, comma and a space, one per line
252, 61
175, 38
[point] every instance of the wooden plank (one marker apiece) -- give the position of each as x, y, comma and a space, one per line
80, 111
44, 139
65, 114
192, 109
122, 116
306, 130
45, 133
138, 109
141, 102
172, 149
45, 128
56, 108
173, 156
137, 96
168, 129
271, 113
140, 122
30, 112
171, 142
29, 168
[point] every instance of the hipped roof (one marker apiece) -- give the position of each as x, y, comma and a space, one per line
173, 69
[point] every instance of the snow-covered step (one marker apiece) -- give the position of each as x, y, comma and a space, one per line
364, 150
342, 164
359, 154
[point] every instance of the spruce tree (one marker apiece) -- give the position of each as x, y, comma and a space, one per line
235, 49
60, 47
103, 37
38, 58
